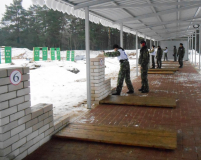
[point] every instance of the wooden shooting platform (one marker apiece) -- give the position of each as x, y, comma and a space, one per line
164, 69
140, 101
161, 72
120, 135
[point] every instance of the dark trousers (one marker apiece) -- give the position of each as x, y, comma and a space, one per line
144, 78
153, 61
180, 61
159, 63
175, 58
124, 73
165, 57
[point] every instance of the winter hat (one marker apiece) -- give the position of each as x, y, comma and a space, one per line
143, 43
115, 46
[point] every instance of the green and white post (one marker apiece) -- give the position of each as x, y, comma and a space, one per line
72, 55
8, 55
68, 56
36, 52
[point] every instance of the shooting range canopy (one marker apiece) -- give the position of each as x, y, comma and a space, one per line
155, 19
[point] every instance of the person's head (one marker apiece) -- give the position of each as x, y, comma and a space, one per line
115, 47
174, 46
159, 47
166, 47
142, 43
153, 46
181, 44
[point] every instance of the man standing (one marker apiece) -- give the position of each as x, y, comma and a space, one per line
159, 56
175, 54
124, 72
181, 53
144, 61
165, 55
153, 54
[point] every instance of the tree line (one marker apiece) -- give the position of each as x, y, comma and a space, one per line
44, 27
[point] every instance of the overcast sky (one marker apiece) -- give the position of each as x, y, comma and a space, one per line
25, 4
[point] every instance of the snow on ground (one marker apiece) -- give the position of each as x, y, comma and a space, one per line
53, 83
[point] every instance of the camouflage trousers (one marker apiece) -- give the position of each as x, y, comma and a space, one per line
180, 61
124, 73
144, 75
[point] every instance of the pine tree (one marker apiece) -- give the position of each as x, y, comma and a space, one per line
14, 21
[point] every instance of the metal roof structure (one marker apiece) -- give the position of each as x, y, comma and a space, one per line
155, 19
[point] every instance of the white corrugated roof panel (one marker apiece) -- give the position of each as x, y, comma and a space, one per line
136, 15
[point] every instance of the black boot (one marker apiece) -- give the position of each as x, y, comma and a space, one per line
116, 93
130, 92
141, 89
145, 91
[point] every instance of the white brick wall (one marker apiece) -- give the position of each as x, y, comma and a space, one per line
23, 128
100, 88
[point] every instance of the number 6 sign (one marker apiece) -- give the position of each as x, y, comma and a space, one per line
15, 77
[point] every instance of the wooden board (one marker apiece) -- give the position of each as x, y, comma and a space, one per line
140, 101
161, 72
164, 69
131, 136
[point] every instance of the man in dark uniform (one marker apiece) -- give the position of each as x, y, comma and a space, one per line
144, 61
124, 72
175, 54
181, 53
159, 56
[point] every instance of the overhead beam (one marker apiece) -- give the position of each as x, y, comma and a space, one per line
195, 15
158, 17
145, 5
157, 14
178, 31
91, 3
129, 13
164, 23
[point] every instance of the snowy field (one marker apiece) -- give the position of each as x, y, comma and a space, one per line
53, 83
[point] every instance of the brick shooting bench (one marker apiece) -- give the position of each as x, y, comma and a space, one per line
23, 128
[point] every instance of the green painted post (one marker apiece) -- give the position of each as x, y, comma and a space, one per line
68, 56
8, 54
52, 50
58, 54
72, 55
45, 53
36, 53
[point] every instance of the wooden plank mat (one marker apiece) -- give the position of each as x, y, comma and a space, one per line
140, 101
164, 69
121, 135
161, 72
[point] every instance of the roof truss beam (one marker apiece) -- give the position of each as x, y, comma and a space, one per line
157, 14
145, 5
164, 23
91, 3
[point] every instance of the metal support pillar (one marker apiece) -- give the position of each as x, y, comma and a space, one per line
195, 45
199, 45
150, 43
87, 43
121, 35
136, 53
192, 50
188, 48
